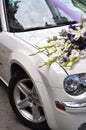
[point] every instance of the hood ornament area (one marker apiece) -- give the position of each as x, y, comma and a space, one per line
67, 48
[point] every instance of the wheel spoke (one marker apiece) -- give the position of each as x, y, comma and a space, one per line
27, 101
24, 103
35, 113
33, 91
23, 88
36, 98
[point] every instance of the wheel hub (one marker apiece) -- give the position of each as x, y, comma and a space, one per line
29, 106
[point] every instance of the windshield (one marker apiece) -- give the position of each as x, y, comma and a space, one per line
37, 14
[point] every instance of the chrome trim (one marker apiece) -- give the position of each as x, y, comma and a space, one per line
71, 104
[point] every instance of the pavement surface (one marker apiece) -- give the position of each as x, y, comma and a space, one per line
8, 120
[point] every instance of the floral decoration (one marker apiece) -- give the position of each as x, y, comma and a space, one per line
68, 47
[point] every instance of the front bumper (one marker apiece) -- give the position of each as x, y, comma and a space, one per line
70, 121
70, 111
72, 107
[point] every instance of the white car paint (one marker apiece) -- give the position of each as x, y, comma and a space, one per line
16, 48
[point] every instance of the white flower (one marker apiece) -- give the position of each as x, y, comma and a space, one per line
79, 31
84, 25
59, 51
74, 54
53, 43
83, 54
57, 43
76, 37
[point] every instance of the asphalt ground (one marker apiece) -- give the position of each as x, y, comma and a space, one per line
8, 120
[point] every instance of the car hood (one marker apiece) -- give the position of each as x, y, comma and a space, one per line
40, 37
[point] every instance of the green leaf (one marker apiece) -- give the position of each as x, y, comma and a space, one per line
49, 62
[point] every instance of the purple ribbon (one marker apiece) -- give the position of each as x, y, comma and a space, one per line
67, 10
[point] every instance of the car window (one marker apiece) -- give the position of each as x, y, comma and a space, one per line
28, 14
81, 4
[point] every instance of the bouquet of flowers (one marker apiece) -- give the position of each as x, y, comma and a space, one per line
68, 47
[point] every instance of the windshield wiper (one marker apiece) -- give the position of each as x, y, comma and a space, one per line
31, 29
66, 23
51, 26
40, 27
43, 27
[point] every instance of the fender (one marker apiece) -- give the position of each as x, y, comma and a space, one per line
25, 61
22, 58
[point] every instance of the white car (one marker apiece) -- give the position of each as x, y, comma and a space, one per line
46, 97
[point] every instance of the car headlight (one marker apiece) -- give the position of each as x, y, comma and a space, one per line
75, 84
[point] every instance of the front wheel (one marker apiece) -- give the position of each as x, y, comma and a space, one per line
25, 102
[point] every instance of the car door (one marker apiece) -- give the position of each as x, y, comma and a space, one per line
3, 53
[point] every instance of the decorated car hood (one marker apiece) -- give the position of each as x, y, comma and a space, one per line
40, 37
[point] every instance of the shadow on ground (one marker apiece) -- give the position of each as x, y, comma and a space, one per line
8, 120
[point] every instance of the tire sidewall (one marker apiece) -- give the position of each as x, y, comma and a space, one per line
12, 84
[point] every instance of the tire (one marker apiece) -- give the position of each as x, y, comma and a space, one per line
25, 102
